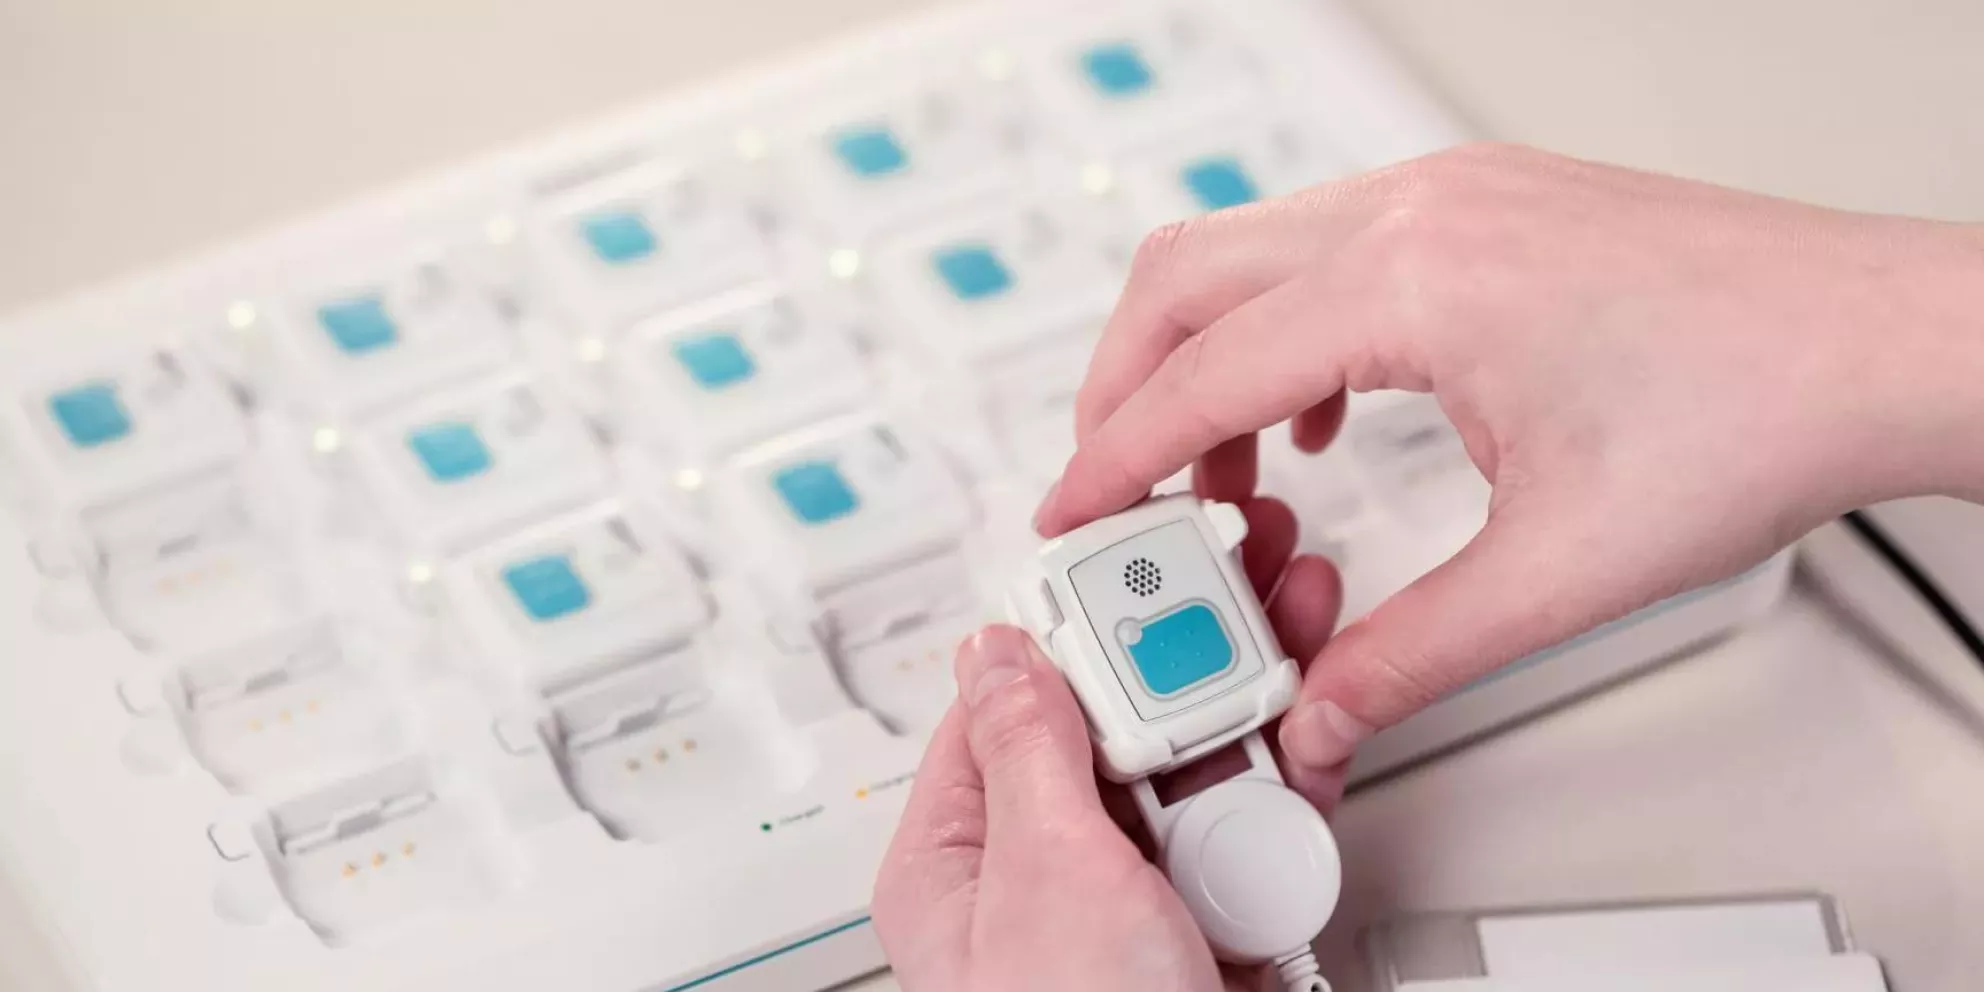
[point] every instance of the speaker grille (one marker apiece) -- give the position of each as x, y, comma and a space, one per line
1143, 577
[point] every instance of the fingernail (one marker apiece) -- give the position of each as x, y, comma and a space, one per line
1321, 734
990, 660
1046, 504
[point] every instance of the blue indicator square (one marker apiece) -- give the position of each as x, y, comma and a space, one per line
90, 414
547, 587
358, 325
1218, 183
973, 272
715, 360
815, 492
618, 237
1117, 69
870, 151
1181, 649
450, 452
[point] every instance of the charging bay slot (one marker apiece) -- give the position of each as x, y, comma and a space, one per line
892, 640
653, 750
867, 526
1030, 400
190, 567
653, 711
381, 848
290, 707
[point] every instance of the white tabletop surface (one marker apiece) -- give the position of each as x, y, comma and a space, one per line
1796, 756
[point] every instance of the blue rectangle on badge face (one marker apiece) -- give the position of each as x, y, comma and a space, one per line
1117, 69
870, 151
358, 325
90, 414
1181, 649
715, 360
450, 451
973, 272
618, 237
1218, 183
815, 492
547, 587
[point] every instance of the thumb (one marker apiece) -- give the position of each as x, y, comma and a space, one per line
1026, 733
1527, 581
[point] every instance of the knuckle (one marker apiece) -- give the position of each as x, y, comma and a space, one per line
1158, 251
1189, 382
1406, 687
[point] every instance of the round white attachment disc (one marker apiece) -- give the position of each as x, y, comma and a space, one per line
1257, 867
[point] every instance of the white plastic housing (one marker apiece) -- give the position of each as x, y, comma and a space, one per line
460, 466
923, 146
1260, 158
563, 600
848, 500
999, 275
705, 381
1183, 63
409, 322
146, 415
641, 241
1096, 593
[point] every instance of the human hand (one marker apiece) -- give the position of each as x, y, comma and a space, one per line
1007, 871
1664, 382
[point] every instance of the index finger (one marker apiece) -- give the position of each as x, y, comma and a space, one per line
1255, 367
1189, 274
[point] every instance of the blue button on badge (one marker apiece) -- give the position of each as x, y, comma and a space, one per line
870, 151
618, 237
1179, 649
358, 325
1117, 69
815, 492
450, 452
90, 414
973, 272
1218, 183
715, 360
547, 587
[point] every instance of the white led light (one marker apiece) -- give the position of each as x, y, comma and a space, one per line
591, 349
689, 480
751, 145
419, 573
1098, 179
326, 440
500, 229
996, 64
241, 315
844, 263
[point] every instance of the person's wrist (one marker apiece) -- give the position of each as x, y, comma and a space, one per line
1898, 396
1948, 339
